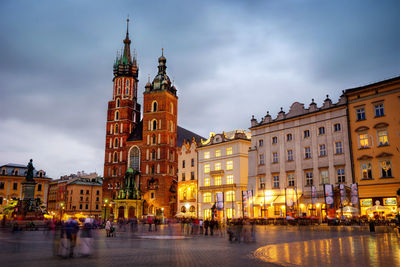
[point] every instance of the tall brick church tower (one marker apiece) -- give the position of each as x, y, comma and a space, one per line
123, 116
159, 147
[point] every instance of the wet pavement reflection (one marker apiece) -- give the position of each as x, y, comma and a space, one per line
361, 250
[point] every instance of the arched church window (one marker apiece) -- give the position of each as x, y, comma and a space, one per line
115, 158
154, 124
116, 142
127, 82
116, 128
127, 91
118, 103
153, 154
117, 115
152, 169
171, 107
115, 171
134, 157
153, 139
154, 106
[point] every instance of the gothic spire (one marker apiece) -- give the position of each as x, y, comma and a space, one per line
126, 58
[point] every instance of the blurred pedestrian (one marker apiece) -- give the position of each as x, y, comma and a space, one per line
86, 238
108, 228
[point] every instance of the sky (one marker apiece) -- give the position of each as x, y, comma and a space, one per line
229, 60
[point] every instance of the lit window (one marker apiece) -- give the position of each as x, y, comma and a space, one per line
229, 165
274, 140
337, 127
260, 142
340, 175
289, 137
360, 114
230, 213
366, 170
230, 196
207, 214
383, 138
275, 157
218, 153
339, 148
229, 179
217, 166
229, 151
307, 152
322, 150
321, 130
207, 197
306, 133
207, 182
324, 177
276, 181
364, 142
290, 155
206, 168
207, 155
261, 161
309, 178
291, 180
217, 180
379, 111
386, 169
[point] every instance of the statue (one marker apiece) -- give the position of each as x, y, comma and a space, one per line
29, 173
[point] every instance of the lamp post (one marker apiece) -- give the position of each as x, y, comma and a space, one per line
105, 209
61, 210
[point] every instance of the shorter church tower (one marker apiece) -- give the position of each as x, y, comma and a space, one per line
123, 116
159, 147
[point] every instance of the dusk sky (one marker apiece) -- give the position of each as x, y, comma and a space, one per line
229, 60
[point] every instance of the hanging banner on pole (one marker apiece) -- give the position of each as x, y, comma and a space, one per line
329, 200
354, 194
220, 201
313, 194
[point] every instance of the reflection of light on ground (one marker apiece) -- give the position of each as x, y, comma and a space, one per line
367, 250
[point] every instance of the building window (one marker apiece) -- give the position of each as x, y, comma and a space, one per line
192, 164
206, 168
97, 199
81, 198
366, 171
260, 142
207, 197
261, 160
1, 185
134, 158
116, 143
39, 187
154, 125
275, 157
86, 206
152, 195
364, 141
183, 164
80, 206
322, 150
307, 152
275, 181
183, 177
207, 155
230, 196
97, 192
229, 165
274, 140
218, 153
97, 206
309, 178
207, 182
321, 130
290, 155
217, 166
217, 180
306, 133
230, 213
118, 103
379, 111
337, 127
15, 186
383, 138
340, 175
386, 169
229, 179
229, 151
339, 148
291, 180
289, 137
117, 115
360, 114
324, 177
154, 106
192, 176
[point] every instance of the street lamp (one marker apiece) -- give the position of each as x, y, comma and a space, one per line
62, 208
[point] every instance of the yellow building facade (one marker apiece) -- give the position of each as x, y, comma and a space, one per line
374, 118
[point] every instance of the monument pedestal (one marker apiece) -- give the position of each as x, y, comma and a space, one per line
28, 190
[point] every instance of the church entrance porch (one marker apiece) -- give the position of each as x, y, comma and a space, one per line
128, 208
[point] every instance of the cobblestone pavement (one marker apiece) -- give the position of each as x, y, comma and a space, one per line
275, 246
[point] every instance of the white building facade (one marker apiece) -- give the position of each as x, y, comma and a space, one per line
223, 168
295, 151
